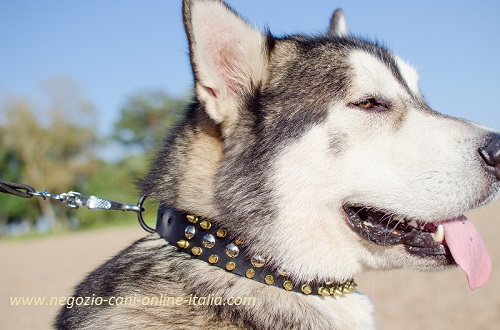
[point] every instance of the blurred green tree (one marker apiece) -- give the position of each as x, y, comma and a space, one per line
147, 116
54, 146
48, 148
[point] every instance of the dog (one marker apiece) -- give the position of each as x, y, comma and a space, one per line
301, 162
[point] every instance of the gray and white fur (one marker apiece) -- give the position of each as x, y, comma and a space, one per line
278, 139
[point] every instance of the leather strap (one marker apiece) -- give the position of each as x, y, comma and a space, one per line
201, 239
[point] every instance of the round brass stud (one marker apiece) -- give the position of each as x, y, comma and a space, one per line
231, 265
206, 225
269, 279
238, 241
288, 285
197, 251
213, 259
250, 273
221, 233
192, 218
306, 289
183, 244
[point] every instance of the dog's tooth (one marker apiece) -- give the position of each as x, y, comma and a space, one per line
438, 236
398, 218
413, 223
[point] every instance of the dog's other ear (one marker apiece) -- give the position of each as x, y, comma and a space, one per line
228, 57
338, 25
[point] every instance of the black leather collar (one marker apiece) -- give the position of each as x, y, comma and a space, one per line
201, 239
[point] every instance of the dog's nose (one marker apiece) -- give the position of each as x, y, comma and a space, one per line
491, 154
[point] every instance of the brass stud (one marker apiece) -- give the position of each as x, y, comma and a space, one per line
288, 285
197, 251
213, 259
345, 289
250, 273
221, 233
352, 287
269, 279
192, 218
231, 265
183, 244
238, 241
322, 291
204, 224
306, 289
337, 292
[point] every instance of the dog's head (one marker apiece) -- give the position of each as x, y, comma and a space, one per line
331, 162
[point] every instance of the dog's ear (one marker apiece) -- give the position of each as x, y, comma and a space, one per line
338, 25
228, 57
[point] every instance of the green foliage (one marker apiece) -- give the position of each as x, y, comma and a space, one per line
54, 148
46, 148
146, 116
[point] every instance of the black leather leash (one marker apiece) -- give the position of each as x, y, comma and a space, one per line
16, 189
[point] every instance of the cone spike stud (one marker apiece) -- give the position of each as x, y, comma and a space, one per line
322, 291
192, 218
197, 251
213, 259
183, 244
306, 289
206, 225
288, 285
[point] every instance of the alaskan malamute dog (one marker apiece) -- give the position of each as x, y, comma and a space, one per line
301, 162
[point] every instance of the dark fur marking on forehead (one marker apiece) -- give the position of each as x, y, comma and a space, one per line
305, 75
344, 45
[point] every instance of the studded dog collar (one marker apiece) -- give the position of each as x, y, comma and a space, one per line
201, 239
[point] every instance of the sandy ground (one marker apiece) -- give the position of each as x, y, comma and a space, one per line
50, 267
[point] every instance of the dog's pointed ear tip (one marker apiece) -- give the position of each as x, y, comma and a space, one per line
338, 25
338, 12
338, 15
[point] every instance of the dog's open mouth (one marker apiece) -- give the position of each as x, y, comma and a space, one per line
384, 229
451, 241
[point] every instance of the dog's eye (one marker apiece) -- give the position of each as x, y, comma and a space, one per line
367, 104
371, 104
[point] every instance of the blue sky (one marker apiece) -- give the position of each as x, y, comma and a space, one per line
112, 49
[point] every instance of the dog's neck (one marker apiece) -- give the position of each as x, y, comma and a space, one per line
202, 239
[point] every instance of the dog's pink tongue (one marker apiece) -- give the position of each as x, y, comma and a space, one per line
468, 250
